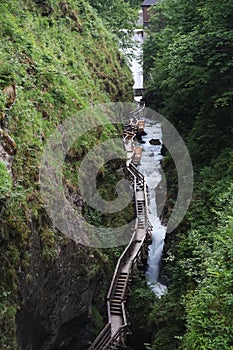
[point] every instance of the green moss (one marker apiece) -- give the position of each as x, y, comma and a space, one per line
7, 320
5, 181
98, 322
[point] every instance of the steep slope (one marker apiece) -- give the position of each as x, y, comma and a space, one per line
188, 67
56, 58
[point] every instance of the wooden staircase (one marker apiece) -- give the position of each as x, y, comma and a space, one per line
118, 295
113, 336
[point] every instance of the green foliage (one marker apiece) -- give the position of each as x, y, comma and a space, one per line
167, 319
97, 319
5, 181
209, 309
107, 179
120, 16
199, 260
135, 3
139, 305
7, 319
188, 68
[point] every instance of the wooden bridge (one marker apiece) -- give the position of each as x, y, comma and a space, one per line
113, 336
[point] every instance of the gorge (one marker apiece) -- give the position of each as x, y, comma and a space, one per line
62, 57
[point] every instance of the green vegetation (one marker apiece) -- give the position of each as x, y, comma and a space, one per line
61, 59
139, 305
120, 16
188, 67
5, 181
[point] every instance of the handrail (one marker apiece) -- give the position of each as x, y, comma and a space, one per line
123, 308
136, 171
116, 336
120, 260
104, 334
138, 112
135, 185
146, 204
122, 328
134, 180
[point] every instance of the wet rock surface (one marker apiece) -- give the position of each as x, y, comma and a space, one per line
56, 299
155, 142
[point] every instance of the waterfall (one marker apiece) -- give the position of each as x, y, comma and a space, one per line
151, 169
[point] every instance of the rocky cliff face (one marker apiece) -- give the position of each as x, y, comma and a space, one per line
59, 58
56, 298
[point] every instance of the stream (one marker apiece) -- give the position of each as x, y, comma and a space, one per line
150, 167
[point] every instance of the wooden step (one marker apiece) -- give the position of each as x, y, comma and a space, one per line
116, 301
118, 292
117, 313
122, 279
116, 310
115, 306
121, 282
118, 296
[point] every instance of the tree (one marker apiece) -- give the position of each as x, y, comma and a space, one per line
189, 67
120, 17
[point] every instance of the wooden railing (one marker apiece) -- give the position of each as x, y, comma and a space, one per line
137, 113
109, 337
122, 260
118, 338
103, 338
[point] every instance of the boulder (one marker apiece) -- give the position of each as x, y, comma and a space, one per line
138, 136
163, 150
155, 142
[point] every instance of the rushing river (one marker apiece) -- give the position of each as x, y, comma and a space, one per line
151, 169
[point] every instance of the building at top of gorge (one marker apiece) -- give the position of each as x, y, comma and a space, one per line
145, 7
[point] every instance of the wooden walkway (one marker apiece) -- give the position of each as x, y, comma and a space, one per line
113, 336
